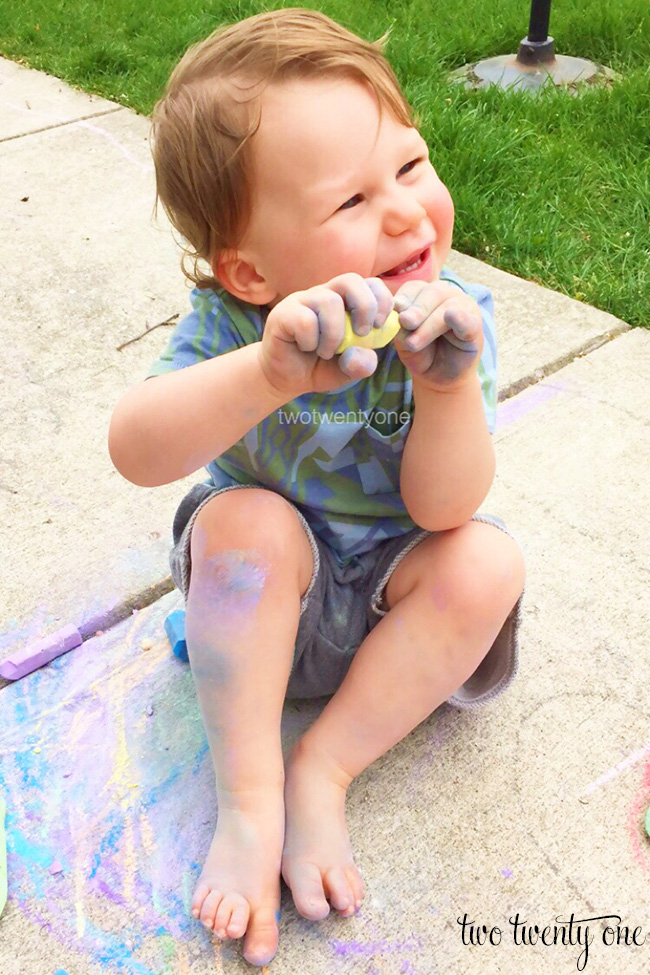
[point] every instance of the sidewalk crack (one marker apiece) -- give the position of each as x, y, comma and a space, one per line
564, 360
62, 124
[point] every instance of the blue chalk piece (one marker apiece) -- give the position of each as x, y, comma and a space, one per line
175, 630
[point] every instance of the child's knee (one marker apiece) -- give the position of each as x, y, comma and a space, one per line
474, 571
497, 570
260, 526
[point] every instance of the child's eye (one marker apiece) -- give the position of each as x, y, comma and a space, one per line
346, 205
409, 166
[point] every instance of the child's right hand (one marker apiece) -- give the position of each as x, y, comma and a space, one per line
303, 330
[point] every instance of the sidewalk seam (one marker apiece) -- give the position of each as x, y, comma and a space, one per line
552, 367
61, 125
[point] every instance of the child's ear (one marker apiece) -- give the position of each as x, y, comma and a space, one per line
239, 276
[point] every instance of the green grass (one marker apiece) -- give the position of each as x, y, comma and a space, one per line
554, 189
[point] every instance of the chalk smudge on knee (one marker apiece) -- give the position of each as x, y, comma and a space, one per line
238, 577
222, 608
232, 582
439, 598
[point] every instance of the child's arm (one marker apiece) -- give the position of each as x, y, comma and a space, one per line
172, 425
448, 462
169, 426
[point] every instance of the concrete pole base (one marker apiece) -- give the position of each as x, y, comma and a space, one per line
510, 71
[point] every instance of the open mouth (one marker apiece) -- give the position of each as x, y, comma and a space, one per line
412, 264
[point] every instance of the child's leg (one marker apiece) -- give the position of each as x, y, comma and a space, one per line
251, 561
448, 599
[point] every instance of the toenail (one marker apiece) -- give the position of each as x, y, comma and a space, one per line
207, 924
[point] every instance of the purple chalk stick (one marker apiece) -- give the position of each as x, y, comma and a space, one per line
37, 654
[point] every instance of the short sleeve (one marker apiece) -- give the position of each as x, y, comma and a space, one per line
487, 369
214, 326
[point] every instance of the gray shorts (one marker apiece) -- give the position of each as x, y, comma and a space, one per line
343, 603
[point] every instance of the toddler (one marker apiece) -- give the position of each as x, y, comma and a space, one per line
334, 550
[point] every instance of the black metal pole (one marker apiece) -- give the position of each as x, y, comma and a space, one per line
538, 47
540, 15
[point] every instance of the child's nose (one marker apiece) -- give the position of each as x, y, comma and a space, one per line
403, 212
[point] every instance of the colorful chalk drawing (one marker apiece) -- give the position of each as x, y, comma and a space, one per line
118, 802
639, 841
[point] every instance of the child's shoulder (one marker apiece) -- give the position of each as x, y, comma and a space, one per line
217, 323
479, 292
220, 309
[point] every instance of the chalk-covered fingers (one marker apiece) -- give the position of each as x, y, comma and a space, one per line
442, 332
368, 302
429, 310
304, 330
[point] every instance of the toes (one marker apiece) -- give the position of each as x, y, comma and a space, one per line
307, 891
209, 908
239, 919
356, 886
338, 889
261, 942
200, 895
224, 917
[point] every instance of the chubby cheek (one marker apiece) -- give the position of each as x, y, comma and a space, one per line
331, 255
442, 216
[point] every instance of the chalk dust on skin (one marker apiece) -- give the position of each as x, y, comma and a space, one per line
225, 599
235, 577
438, 596
226, 594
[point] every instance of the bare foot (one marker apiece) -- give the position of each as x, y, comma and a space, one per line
317, 861
239, 888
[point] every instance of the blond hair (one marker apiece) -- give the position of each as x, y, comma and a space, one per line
203, 124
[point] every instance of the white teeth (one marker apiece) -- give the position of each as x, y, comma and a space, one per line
411, 267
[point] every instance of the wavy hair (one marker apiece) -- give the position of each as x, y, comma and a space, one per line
211, 107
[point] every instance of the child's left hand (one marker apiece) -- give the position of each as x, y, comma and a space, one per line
442, 334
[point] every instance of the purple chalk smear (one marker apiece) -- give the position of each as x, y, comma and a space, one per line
35, 655
371, 948
517, 407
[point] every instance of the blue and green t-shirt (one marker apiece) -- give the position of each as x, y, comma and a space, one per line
335, 455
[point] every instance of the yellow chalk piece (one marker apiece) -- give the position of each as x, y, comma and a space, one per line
376, 338
3, 858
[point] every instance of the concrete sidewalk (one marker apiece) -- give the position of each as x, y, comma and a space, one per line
532, 805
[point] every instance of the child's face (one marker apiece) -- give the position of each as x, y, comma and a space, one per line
337, 191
